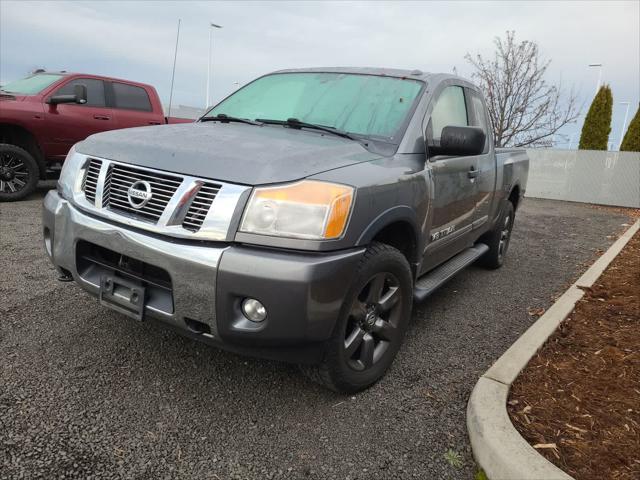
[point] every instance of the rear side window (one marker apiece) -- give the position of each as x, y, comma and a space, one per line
450, 110
131, 97
95, 91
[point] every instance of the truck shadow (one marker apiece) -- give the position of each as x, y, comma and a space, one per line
41, 190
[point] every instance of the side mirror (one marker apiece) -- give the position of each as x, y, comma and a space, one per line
79, 96
461, 141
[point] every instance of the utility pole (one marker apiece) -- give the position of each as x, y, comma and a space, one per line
624, 124
173, 74
599, 65
211, 27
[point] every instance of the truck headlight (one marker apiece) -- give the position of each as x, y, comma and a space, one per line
308, 209
70, 179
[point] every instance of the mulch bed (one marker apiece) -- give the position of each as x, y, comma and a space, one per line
630, 212
578, 400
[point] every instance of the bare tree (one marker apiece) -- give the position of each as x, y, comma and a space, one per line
525, 110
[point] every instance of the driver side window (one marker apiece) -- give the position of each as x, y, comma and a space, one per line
450, 109
95, 91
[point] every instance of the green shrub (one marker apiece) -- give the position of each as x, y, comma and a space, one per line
480, 475
597, 124
631, 140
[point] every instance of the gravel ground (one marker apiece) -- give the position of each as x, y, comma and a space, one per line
88, 393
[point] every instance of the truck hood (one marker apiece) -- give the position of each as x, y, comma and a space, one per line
12, 96
229, 152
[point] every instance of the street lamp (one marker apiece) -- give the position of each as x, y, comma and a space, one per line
599, 65
624, 124
211, 27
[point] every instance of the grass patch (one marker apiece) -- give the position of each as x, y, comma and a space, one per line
480, 475
453, 458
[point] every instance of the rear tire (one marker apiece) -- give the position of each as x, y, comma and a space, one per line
499, 238
372, 323
19, 173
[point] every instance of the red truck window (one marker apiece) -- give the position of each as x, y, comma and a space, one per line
131, 97
95, 91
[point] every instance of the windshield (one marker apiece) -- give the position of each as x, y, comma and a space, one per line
367, 105
31, 85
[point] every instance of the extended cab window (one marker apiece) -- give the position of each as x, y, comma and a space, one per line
131, 97
450, 110
95, 91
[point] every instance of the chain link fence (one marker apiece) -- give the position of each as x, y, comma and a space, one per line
605, 178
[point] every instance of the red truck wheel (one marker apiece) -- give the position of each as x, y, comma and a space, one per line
18, 173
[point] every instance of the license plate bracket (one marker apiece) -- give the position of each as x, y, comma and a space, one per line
123, 295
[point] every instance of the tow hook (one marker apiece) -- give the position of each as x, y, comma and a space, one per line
64, 275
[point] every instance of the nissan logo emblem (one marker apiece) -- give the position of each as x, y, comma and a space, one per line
139, 194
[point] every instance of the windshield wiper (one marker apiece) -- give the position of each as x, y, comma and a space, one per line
221, 117
295, 123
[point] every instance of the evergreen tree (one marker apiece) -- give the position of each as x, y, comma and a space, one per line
597, 124
631, 140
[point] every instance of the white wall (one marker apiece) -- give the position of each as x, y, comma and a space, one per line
606, 178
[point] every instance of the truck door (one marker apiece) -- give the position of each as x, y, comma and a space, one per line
132, 106
454, 194
69, 123
485, 164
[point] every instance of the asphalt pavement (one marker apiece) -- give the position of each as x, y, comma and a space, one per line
88, 393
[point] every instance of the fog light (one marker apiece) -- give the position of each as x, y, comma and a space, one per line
253, 310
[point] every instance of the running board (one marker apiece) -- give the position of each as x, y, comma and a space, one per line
431, 281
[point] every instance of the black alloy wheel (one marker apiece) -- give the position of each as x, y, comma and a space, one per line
505, 235
498, 238
18, 173
373, 321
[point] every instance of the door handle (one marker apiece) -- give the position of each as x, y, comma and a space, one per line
154, 123
101, 117
473, 172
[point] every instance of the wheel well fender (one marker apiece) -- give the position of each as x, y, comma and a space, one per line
397, 227
514, 196
23, 138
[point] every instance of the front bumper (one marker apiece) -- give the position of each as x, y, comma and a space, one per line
302, 292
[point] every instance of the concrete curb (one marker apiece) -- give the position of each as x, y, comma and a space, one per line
497, 446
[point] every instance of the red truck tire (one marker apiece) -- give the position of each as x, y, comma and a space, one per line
19, 173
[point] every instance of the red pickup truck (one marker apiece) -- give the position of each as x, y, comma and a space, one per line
43, 115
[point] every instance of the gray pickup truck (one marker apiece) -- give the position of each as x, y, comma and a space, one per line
297, 220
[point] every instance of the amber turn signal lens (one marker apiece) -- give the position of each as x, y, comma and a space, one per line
307, 209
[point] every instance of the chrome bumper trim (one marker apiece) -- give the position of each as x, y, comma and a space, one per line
193, 269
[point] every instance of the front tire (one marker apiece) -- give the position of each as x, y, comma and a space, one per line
373, 320
19, 173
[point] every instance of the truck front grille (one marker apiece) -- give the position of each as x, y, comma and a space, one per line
166, 203
200, 206
90, 180
120, 177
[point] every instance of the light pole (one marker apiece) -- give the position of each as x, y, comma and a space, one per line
624, 124
599, 65
211, 27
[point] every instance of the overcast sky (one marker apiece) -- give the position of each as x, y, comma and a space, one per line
135, 40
